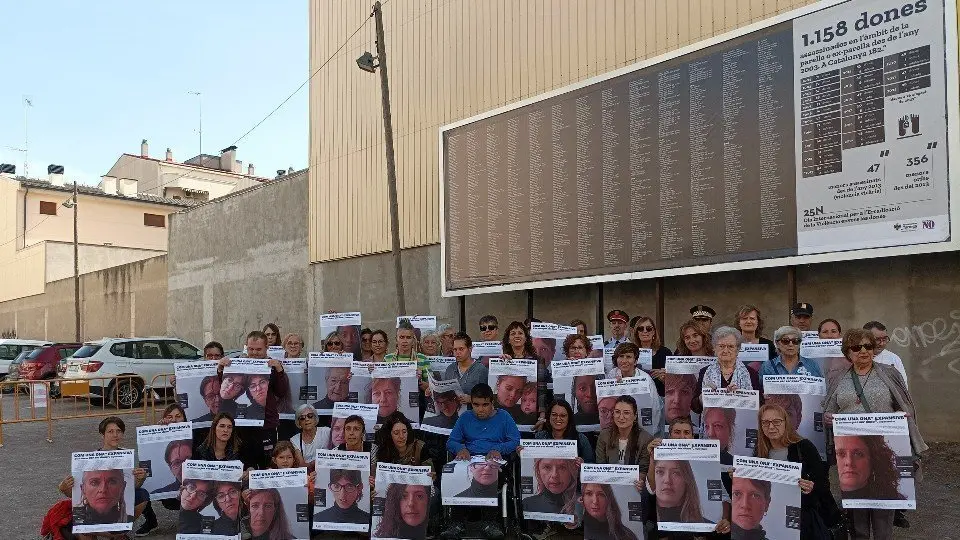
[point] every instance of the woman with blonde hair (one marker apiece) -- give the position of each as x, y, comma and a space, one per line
556, 481
778, 439
675, 486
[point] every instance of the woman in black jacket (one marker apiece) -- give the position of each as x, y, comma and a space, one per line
778, 439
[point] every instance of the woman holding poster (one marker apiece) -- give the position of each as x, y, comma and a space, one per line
750, 324
625, 442
727, 372
778, 439
867, 387
517, 343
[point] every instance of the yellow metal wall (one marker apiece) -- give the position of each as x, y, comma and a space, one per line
452, 59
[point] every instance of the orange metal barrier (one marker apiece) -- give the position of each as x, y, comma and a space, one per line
66, 399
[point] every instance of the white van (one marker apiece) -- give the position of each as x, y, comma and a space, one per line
11, 348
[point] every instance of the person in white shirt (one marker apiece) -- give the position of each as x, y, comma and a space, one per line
883, 355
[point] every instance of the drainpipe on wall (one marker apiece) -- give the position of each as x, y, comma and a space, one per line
23, 239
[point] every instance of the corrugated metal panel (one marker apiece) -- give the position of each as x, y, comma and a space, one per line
450, 59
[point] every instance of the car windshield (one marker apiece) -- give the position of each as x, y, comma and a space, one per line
31, 354
24, 355
9, 352
86, 351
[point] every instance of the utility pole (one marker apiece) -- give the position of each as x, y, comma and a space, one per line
76, 269
391, 162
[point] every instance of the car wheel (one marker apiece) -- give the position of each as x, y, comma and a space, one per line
126, 393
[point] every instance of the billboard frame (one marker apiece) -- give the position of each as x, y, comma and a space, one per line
952, 91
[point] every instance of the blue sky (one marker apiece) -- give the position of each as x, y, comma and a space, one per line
103, 75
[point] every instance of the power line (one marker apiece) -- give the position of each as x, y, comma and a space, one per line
277, 108
304, 83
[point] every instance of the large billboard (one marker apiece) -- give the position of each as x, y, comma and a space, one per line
813, 136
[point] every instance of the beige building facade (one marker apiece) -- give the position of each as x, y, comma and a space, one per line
36, 232
453, 59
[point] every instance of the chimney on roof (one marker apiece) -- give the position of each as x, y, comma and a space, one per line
169, 157
55, 174
144, 149
228, 159
250, 169
290, 170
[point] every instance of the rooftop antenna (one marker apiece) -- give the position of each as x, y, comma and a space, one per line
200, 118
27, 103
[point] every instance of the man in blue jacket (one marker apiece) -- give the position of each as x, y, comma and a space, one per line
485, 431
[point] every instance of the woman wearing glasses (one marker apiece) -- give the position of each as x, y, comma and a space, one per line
311, 438
869, 387
378, 344
333, 343
226, 501
779, 440
646, 336
789, 361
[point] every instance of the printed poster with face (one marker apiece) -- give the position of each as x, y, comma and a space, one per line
277, 504
680, 385
470, 482
422, 324
198, 391
330, 381
575, 381
548, 340
514, 384
162, 451
826, 353
875, 462
296, 370
731, 418
753, 355
395, 387
401, 505
443, 407
596, 345
612, 506
802, 397
341, 500
608, 390
210, 500
439, 365
243, 389
103, 491
343, 410
687, 485
765, 499
346, 326
549, 478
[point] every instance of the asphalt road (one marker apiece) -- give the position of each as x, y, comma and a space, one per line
31, 468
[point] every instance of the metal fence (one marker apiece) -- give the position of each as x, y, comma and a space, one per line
54, 400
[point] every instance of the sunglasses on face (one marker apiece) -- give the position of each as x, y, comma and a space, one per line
334, 344
790, 341
487, 327
645, 328
308, 416
858, 348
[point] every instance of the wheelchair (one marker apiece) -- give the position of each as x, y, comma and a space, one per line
509, 510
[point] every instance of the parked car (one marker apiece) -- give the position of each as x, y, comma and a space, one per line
96, 366
43, 363
11, 348
13, 373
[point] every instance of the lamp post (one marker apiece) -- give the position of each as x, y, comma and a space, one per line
72, 203
366, 63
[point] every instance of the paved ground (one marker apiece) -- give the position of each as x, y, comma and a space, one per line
31, 468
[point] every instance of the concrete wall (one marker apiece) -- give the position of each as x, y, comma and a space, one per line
59, 263
917, 298
126, 300
240, 262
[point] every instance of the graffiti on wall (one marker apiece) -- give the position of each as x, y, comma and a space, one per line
936, 342
8, 334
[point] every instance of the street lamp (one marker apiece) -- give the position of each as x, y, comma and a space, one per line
72, 203
366, 63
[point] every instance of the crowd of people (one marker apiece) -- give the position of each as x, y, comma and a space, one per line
872, 380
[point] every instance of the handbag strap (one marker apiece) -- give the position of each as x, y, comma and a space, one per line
859, 388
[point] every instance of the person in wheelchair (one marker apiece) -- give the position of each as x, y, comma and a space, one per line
485, 431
